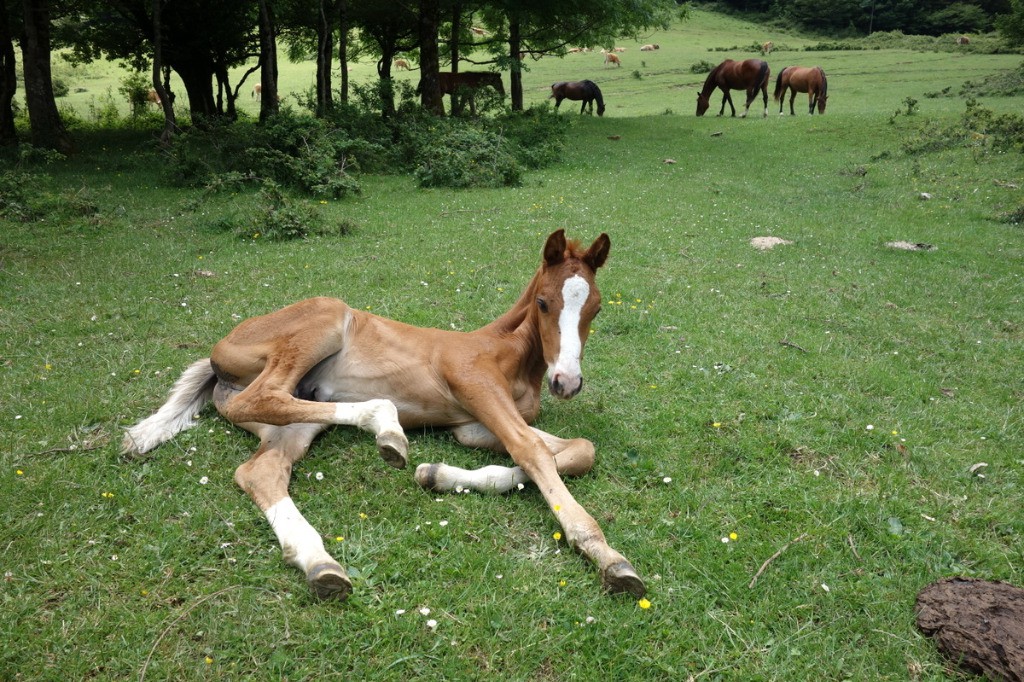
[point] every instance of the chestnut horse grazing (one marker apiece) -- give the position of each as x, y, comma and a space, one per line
802, 79
471, 81
750, 75
587, 91
289, 375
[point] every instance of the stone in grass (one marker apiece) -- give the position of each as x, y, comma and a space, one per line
910, 246
979, 624
765, 243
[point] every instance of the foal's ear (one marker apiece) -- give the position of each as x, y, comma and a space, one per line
597, 254
554, 249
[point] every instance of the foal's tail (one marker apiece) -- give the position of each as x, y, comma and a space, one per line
187, 397
779, 90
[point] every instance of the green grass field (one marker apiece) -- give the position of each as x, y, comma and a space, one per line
833, 390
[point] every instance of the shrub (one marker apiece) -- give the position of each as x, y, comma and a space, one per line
460, 156
703, 66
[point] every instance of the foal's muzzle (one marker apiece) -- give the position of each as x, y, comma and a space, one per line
565, 387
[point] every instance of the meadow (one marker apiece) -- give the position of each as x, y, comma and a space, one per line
791, 443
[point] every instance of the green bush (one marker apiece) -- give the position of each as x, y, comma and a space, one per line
460, 155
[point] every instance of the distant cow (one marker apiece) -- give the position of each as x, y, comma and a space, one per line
400, 64
650, 48
257, 92
963, 40
611, 58
152, 97
767, 47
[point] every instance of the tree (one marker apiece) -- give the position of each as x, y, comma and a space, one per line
1011, 24
268, 62
539, 27
8, 79
430, 86
201, 40
44, 120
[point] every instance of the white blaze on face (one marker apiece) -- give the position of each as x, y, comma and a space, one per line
566, 370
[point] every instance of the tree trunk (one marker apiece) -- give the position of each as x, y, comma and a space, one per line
268, 57
170, 122
197, 78
46, 125
343, 47
324, 57
515, 46
8, 80
454, 54
430, 88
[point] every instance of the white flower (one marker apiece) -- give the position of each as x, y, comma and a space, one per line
319, 475
399, 612
432, 624
442, 523
667, 479
204, 480
424, 611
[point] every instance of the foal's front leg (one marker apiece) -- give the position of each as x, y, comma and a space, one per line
573, 457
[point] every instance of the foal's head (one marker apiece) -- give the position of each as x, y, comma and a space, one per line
567, 302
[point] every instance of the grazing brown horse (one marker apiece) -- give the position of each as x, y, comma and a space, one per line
289, 375
612, 58
587, 91
809, 79
471, 81
750, 75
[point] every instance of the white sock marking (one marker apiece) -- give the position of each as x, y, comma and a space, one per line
301, 544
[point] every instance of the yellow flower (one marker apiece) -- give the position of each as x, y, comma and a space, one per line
557, 507
107, 495
363, 516
733, 536
19, 472
717, 425
556, 535
561, 583
209, 661
644, 604
339, 539
48, 366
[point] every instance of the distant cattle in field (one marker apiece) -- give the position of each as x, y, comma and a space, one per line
650, 48
257, 92
152, 97
479, 31
767, 47
618, 49
611, 58
400, 64
963, 40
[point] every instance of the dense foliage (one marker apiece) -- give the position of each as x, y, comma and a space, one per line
861, 17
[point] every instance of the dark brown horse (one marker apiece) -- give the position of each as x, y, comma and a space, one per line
587, 91
802, 79
470, 81
750, 75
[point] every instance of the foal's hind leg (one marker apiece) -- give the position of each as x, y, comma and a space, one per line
573, 457
265, 478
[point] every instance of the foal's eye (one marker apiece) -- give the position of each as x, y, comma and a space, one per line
542, 304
